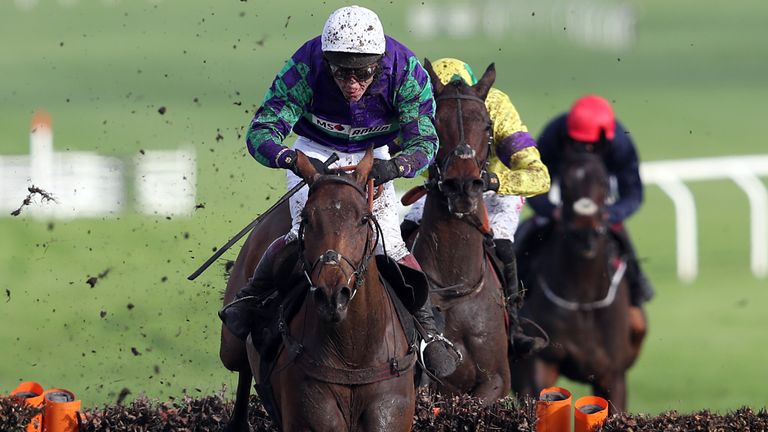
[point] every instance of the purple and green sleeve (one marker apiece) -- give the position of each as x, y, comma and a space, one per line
285, 102
416, 108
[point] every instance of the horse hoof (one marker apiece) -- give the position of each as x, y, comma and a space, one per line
237, 427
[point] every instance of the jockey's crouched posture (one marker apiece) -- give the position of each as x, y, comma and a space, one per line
515, 161
590, 126
348, 89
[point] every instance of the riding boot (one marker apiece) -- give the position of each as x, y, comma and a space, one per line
440, 357
522, 344
640, 288
407, 228
256, 297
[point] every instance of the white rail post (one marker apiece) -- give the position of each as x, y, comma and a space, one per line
758, 220
685, 220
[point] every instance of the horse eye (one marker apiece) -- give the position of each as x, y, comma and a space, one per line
364, 220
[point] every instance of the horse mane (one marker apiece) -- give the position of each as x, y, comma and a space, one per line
459, 84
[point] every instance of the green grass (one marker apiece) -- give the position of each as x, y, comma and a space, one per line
693, 85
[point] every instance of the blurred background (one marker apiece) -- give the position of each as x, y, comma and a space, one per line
148, 102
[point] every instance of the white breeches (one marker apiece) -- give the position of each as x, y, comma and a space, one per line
503, 212
385, 208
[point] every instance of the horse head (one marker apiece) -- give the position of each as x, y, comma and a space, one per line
464, 129
336, 236
584, 190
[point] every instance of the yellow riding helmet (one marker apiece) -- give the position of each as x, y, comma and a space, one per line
449, 69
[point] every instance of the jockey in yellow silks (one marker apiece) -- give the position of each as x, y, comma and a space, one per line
516, 162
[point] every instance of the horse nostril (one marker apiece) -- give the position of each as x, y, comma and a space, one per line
319, 296
451, 186
344, 296
474, 187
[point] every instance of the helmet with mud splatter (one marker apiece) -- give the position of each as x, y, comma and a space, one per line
353, 37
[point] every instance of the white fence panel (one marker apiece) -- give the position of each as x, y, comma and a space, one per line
166, 182
745, 171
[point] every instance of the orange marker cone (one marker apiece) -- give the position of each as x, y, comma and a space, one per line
553, 410
62, 411
32, 393
590, 413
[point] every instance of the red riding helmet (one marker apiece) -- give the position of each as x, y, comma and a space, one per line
589, 116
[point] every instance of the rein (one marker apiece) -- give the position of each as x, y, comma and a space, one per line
586, 306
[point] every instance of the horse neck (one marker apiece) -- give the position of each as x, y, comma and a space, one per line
367, 333
589, 275
449, 249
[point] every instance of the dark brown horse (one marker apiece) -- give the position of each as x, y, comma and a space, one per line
449, 243
232, 350
577, 292
346, 363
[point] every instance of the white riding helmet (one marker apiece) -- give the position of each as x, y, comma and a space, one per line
353, 36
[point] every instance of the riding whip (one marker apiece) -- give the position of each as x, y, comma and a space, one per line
331, 159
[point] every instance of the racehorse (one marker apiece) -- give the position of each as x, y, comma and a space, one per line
232, 350
346, 362
577, 292
449, 244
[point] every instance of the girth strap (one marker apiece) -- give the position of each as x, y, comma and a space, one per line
343, 376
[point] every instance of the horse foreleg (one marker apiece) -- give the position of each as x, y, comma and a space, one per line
523, 377
235, 358
637, 330
238, 422
614, 390
547, 374
495, 385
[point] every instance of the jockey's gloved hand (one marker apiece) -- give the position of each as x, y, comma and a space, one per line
384, 171
288, 161
491, 181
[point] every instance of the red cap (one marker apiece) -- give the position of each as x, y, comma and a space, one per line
588, 116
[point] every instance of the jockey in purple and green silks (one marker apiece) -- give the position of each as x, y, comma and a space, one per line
515, 160
305, 97
342, 92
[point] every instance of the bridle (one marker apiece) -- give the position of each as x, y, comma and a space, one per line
583, 206
334, 258
463, 150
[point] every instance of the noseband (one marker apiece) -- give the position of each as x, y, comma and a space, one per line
334, 258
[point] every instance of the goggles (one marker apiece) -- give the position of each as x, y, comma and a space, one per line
360, 74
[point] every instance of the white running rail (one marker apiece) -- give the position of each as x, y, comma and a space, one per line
745, 171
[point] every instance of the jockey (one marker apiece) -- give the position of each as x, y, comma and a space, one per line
344, 91
590, 126
515, 161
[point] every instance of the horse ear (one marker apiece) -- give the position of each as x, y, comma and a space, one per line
437, 85
305, 168
364, 167
484, 85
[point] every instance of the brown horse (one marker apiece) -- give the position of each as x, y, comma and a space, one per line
232, 350
577, 293
449, 244
346, 363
